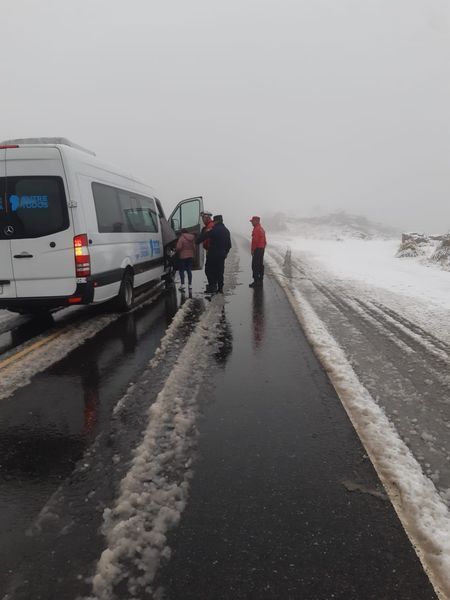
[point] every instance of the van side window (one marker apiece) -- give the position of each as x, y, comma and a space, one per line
120, 211
149, 215
107, 207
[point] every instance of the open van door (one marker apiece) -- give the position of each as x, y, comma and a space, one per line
7, 284
187, 215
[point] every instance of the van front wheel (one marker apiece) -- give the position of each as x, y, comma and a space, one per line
125, 298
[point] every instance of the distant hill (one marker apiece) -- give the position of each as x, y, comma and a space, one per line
335, 226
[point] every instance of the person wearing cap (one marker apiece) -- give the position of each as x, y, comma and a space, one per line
208, 224
257, 248
219, 245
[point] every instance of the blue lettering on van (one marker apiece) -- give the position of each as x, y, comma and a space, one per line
144, 251
155, 247
23, 202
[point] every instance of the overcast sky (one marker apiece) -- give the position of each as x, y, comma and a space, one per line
260, 106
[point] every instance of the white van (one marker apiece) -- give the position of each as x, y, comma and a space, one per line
75, 231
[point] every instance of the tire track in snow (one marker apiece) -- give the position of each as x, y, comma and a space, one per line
413, 327
378, 324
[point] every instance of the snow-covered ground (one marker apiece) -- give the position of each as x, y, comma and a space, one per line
381, 326
373, 264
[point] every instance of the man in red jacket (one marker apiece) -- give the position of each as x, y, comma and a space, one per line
258, 246
208, 224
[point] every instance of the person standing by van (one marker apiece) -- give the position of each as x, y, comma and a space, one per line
219, 245
186, 251
258, 246
208, 224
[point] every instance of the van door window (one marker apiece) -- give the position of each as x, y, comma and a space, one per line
32, 207
189, 214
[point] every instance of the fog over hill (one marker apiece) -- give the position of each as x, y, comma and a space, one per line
334, 226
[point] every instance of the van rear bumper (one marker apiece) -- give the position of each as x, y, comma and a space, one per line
84, 294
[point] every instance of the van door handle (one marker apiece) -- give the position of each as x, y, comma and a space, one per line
23, 255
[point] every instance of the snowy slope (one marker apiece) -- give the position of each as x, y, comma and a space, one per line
335, 226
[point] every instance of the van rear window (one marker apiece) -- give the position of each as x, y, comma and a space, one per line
32, 206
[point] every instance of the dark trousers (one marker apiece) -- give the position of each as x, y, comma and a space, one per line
185, 264
214, 268
258, 265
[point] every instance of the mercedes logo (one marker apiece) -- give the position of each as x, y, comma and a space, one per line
8, 230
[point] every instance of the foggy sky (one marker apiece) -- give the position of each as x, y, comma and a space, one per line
303, 106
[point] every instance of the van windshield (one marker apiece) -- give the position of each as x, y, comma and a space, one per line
32, 206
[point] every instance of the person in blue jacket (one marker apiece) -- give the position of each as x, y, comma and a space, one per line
219, 245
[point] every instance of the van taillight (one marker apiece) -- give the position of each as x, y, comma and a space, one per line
8, 146
82, 258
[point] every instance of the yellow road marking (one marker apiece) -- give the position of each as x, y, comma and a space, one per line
12, 359
8, 362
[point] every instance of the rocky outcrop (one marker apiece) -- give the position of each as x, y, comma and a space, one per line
442, 253
412, 245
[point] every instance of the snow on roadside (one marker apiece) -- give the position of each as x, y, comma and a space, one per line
373, 263
154, 492
423, 513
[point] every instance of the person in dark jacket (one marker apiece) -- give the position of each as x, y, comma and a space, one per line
219, 245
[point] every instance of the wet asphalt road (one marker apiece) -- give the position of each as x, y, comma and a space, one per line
284, 504
57, 437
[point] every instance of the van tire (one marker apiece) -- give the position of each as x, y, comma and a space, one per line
125, 298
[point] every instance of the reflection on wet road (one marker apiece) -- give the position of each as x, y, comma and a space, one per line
258, 316
46, 428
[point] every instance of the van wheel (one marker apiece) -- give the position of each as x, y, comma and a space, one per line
125, 297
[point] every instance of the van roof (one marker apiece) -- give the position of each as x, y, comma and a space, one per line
62, 141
